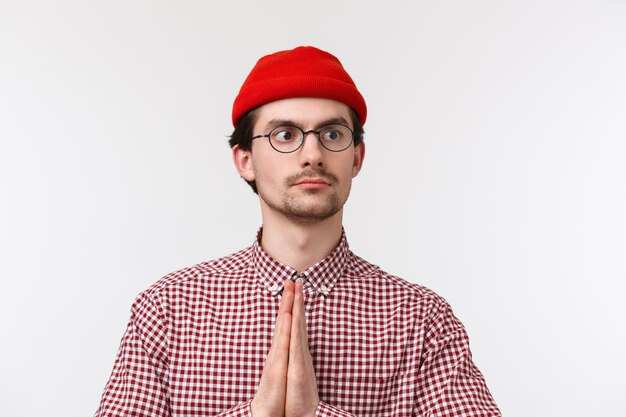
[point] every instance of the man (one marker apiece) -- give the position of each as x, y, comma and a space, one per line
296, 324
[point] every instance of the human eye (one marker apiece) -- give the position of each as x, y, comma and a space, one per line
333, 133
285, 134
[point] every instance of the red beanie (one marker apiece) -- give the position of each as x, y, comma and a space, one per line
301, 72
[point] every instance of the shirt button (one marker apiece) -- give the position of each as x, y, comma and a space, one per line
324, 289
274, 288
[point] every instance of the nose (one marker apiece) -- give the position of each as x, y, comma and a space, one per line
311, 153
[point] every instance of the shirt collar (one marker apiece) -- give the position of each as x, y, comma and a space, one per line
322, 276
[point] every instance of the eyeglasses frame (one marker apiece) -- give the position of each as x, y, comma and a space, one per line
304, 135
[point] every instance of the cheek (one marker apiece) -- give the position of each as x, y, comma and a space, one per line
267, 172
347, 168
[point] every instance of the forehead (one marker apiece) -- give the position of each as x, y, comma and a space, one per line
305, 111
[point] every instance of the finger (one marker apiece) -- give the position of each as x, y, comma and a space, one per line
298, 322
286, 303
282, 331
282, 337
302, 318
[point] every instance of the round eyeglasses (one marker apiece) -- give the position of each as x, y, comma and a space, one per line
287, 139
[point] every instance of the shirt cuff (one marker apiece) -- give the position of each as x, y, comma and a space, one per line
327, 410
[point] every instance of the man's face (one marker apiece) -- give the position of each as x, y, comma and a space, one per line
312, 183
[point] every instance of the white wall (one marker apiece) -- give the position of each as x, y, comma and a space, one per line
494, 175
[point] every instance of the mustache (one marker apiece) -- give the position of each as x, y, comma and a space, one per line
312, 173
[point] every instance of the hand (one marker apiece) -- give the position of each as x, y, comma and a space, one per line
302, 395
288, 386
269, 400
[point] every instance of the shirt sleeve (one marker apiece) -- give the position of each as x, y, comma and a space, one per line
448, 383
138, 385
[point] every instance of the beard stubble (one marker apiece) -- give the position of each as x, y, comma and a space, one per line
297, 206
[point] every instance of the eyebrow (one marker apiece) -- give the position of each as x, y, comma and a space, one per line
283, 122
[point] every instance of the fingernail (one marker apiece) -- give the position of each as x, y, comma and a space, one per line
301, 280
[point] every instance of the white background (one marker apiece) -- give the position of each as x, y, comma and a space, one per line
494, 175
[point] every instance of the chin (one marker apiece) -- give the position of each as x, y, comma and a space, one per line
317, 211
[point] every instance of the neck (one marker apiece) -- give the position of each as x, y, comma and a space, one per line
300, 246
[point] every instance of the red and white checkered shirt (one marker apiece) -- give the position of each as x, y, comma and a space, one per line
197, 341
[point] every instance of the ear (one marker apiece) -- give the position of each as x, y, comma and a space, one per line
243, 162
359, 155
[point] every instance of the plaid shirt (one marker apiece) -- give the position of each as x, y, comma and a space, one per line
197, 340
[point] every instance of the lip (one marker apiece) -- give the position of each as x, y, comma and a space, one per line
312, 183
